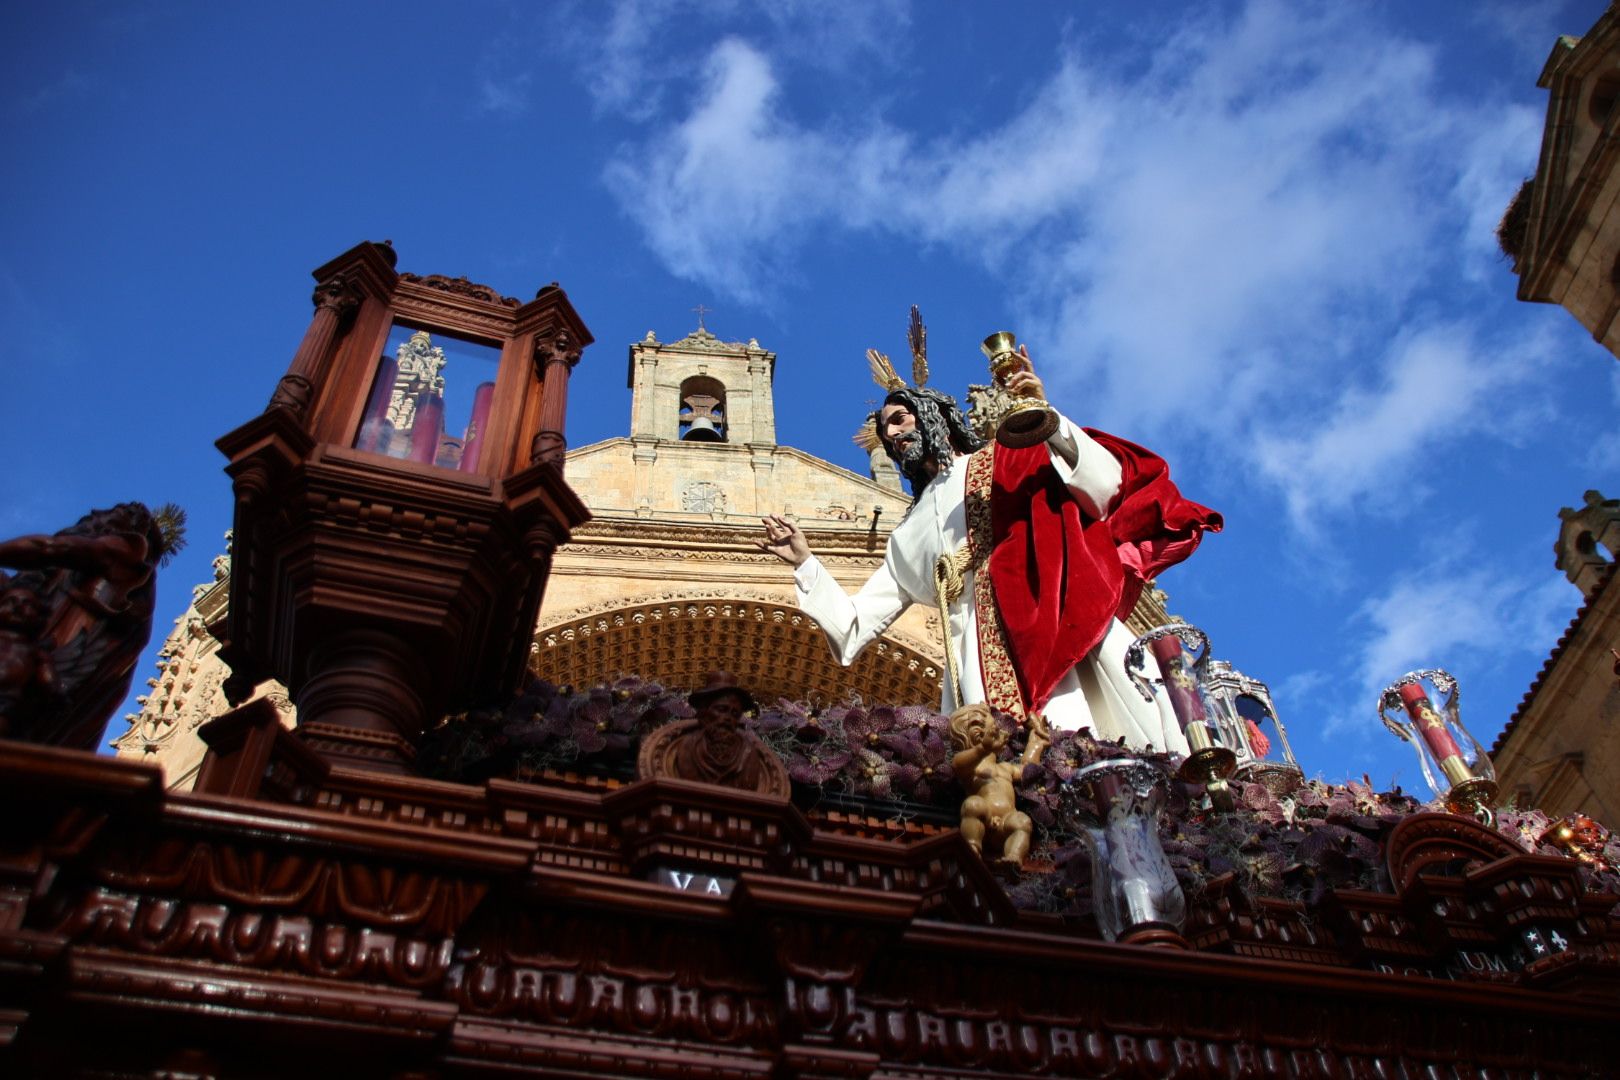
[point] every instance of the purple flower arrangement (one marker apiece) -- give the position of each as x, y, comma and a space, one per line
1297, 847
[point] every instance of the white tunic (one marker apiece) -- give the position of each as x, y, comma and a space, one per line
1095, 693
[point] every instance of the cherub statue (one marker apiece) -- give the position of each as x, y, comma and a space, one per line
74, 619
990, 812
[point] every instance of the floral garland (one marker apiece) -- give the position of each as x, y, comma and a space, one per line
1299, 847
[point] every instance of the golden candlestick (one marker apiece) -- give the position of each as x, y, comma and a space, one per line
1030, 421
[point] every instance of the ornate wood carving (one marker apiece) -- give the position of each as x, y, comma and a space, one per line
679, 750
460, 286
457, 929
446, 568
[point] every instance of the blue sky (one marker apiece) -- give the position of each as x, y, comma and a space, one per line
1254, 236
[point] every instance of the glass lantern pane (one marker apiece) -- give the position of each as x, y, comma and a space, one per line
430, 399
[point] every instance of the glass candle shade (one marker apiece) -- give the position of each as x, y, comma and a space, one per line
1114, 807
1181, 679
1455, 765
430, 400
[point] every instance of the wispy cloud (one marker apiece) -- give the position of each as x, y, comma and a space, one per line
71, 85
1518, 23
1462, 616
1603, 453
509, 96
734, 159
1248, 220
1433, 386
632, 71
1457, 613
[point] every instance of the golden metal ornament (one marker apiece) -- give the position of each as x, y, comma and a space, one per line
917, 338
883, 372
1030, 421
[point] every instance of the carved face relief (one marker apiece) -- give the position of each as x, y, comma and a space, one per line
21, 610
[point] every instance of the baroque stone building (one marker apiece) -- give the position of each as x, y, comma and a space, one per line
1562, 229
1560, 751
676, 507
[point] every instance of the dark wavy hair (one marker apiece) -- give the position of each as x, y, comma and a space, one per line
940, 423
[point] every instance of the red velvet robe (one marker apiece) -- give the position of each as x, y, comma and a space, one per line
1059, 575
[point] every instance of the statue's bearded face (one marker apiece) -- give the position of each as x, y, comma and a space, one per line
903, 439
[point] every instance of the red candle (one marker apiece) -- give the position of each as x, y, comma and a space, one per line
426, 427
1178, 681
1433, 729
375, 430
472, 447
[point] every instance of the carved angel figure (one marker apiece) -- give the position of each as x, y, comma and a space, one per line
74, 619
990, 815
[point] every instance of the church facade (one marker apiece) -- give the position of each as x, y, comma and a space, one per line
665, 581
314, 899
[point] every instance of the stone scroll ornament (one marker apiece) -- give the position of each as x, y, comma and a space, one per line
74, 619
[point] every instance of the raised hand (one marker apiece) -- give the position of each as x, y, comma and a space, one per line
1025, 383
785, 540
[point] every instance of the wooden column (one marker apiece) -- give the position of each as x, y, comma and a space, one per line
334, 300
554, 360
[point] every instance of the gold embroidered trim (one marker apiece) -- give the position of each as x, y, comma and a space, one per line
1000, 680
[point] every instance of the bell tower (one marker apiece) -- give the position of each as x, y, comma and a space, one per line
701, 389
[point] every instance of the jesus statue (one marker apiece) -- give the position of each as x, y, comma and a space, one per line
1033, 555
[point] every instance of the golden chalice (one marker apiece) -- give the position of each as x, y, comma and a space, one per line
1030, 420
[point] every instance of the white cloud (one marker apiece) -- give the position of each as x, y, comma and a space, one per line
1518, 23
1435, 386
1456, 618
1494, 166
624, 64
1603, 453
721, 195
1246, 223
630, 65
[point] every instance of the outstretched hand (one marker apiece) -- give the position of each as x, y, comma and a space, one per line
785, 540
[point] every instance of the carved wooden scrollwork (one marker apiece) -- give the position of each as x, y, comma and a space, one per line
293, 393
460, 286
338, 294
1428, 842
549, 447
557, 348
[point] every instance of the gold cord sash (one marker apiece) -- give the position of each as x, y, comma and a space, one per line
950, 571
